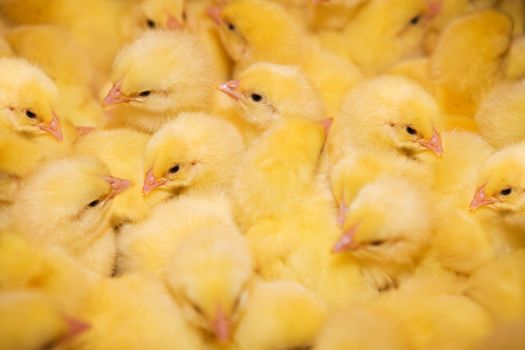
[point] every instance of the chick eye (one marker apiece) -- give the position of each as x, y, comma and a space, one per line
415, 20
231, 26
184, 16
506, 191
197, 309
94, 203
174, 169
151, 24
256, 97
376, 243
145, 93
411, 130
30, 114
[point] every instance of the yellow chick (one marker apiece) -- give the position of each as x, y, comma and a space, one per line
67, 204
515, 62
133, 312
193, 153
266, 92
499, 287
516, 10
256, 30
279, 314
387, 229
29, 320
331, 14
468, 59
509, 336
500, 115
389, 113
159, 75
209, 274
5, 49
149, 245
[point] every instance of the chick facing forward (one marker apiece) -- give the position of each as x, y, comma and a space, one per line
66, 204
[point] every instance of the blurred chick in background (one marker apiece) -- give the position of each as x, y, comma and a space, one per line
67, 204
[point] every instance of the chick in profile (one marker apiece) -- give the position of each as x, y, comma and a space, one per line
193, 153
67, 204
388, 113
279, 314
265, 92
500, 115
387, 228
209, 274
468, 59
257, 30
29, 320
159, 75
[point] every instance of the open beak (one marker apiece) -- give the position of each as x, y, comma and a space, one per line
221, 327
114, 96
480, 199
215, 13
229, 88
117, 186
53, 128
346, 241
434, 144
173, 23
151, 183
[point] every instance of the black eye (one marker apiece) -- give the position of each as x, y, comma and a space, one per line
30, 114
184, 15
411, 130
256, 97
414, 21
377, 243
174, 169
505, 191
145, 93
231, 26
151, 24
94, 203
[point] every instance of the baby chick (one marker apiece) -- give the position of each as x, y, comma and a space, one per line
515, 62
66, 204
266, 92
387, 228
279, 314
159, 75
193, 153
468, 58
500, 115
388, 113
209, 274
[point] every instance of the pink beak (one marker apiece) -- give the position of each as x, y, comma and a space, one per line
346, 241
221, 327
480, 199
434, 144
341, 214
151, 183
53, 128
229, 88
434, 8
75, 327
173, 24
117, 186
215, 13
114, 96
326, 124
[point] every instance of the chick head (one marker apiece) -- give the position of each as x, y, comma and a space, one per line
265, 92
209, 275
388, 222
255, 30
157, 14
66, 203
162, 72
194, 150
28, 99
501, 181
30, 320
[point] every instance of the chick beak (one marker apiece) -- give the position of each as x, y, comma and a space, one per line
114, 96
346, 241
229, 88
84, 130
434, 144
326, 124
434, 8
151, 183
53, 128
75, 327
215, 13
173, 23
480, 199
341, 214
117, 186
221, 327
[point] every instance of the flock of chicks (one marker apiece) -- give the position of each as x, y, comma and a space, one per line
262, 175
